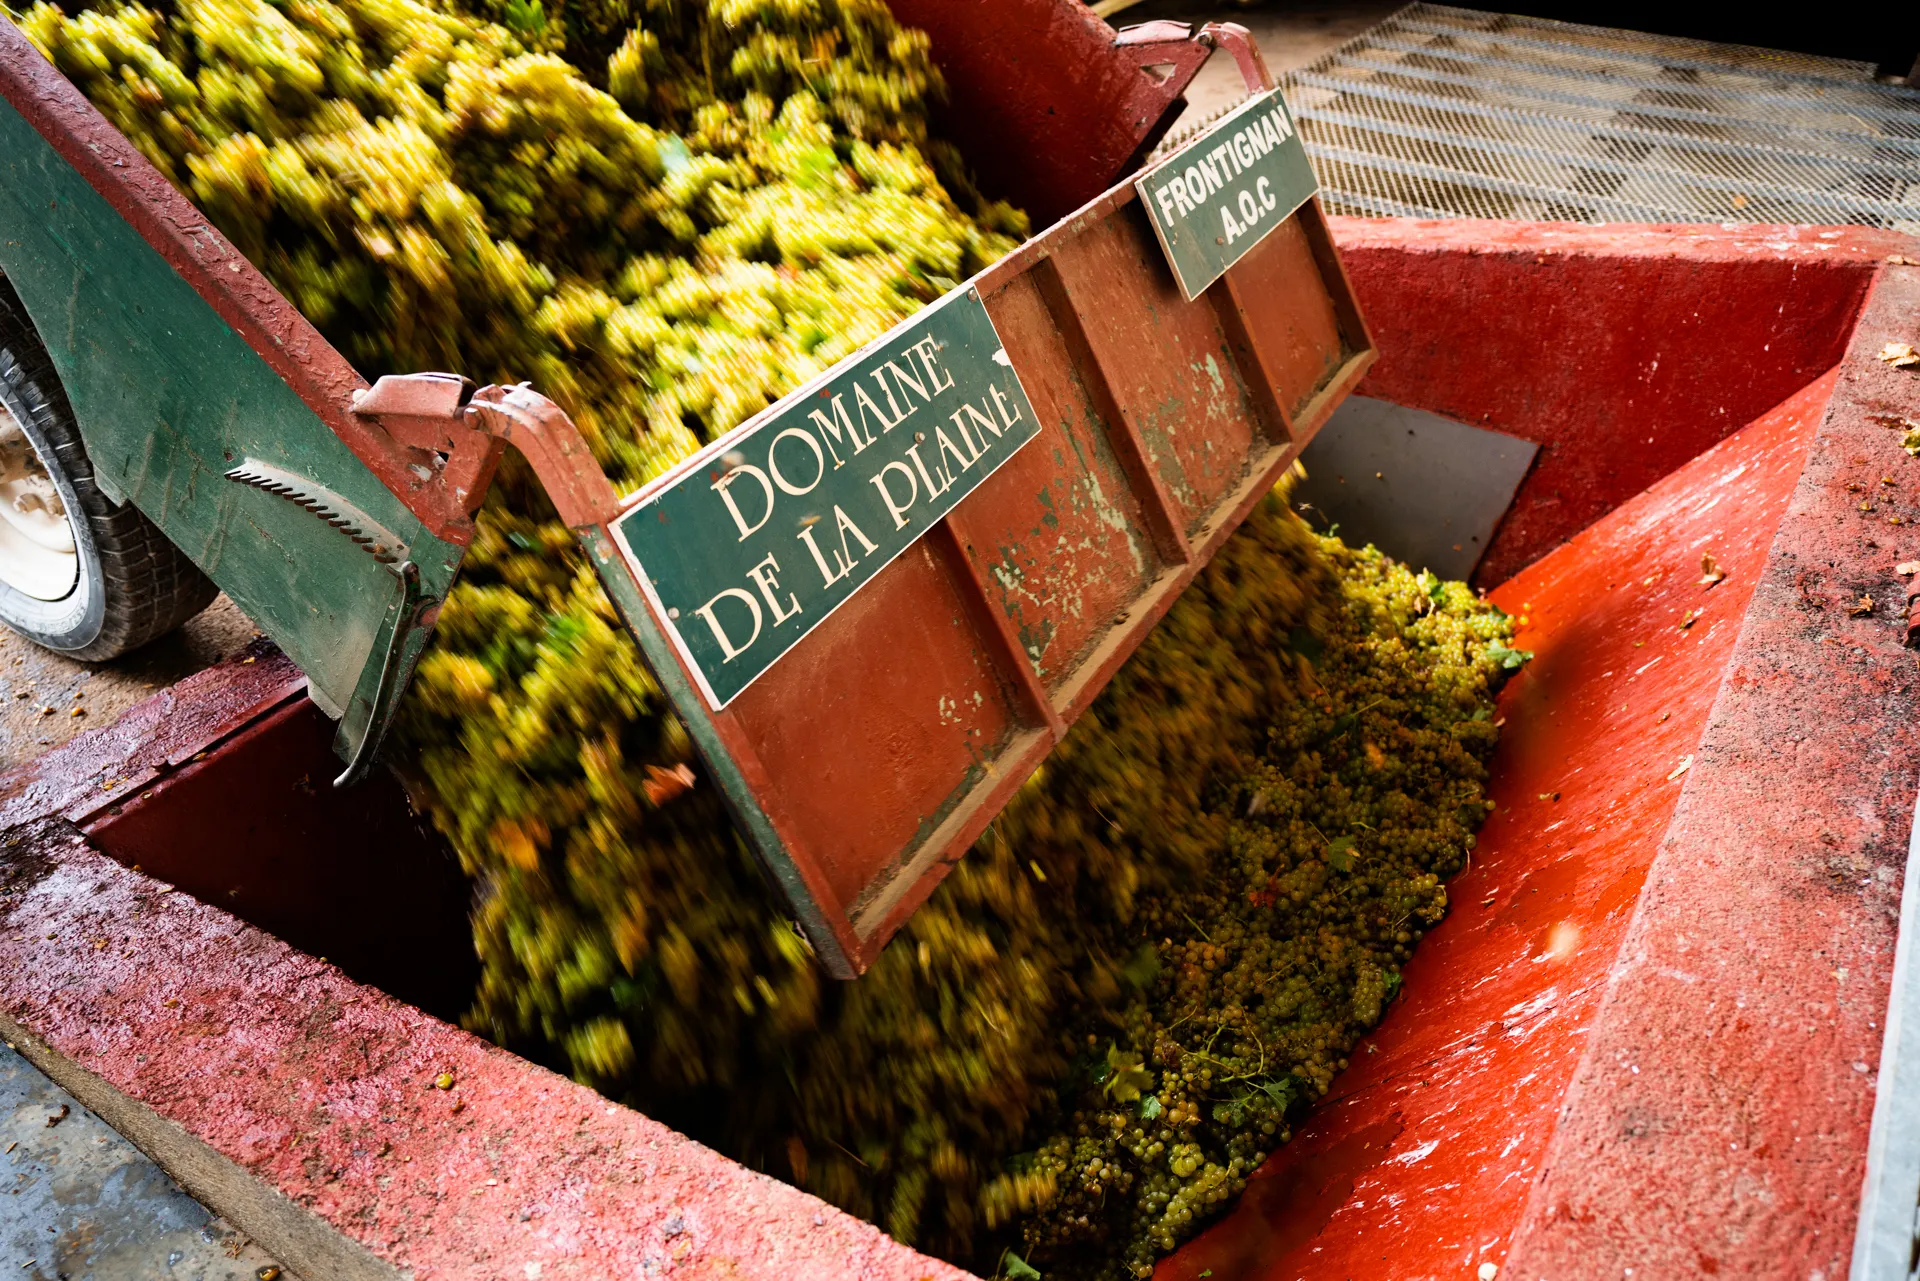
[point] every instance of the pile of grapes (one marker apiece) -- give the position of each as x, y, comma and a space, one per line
664, 214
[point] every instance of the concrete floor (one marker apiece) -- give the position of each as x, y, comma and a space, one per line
80, 1203
46, 699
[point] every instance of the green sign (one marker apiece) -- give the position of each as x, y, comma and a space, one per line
750, 544
1216, 197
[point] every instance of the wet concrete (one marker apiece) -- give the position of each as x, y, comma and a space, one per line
80, 1203
46, 699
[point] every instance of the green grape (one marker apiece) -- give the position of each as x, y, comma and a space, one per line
665, 214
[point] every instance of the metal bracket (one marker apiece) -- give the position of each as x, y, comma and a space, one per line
1169, 54
413, 604
379, 542
310, 495
466, 428
444, 413
1238, 41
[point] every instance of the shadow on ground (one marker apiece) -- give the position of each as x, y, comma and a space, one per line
80, 1203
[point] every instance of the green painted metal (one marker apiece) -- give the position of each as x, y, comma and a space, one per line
753, 542
1217, 196
169, 399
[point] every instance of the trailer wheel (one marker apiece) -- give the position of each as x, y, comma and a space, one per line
79, 574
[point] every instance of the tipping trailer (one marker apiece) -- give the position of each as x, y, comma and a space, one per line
868, 691
1654, 1032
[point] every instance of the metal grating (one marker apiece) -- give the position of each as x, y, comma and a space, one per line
1451, 113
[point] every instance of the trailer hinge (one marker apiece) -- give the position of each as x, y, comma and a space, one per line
445, 414
461, 429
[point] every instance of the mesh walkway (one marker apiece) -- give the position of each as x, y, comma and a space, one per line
1442, 112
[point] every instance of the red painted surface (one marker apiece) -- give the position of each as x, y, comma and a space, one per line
258, 829
1622, 351
1718, 1123
1421, 1159
1799, 792
1044, 102
220, 785
102, 766
323, 1088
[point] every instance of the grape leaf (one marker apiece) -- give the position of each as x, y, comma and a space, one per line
1508, 657
1126, 1080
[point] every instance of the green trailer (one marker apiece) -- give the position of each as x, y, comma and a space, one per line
826, 593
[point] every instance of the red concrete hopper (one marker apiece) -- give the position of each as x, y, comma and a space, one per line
1645, 1037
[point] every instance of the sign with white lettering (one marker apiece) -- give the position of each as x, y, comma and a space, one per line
1216, 197
750, 544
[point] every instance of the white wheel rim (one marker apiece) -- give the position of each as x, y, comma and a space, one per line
37, 553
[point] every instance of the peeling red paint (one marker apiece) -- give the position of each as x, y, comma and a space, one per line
97, 768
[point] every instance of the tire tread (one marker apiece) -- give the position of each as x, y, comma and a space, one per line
150, 586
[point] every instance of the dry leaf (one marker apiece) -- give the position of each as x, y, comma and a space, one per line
1901, 260
1686, 763
1900, 355
1861, 608
663, 785
1907, 568
1710, 571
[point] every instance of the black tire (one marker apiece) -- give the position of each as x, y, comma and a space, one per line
133, 586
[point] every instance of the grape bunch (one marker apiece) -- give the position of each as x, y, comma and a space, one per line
1257, 968
665, 214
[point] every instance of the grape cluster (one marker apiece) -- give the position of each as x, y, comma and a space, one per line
1258, 967
665, 213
